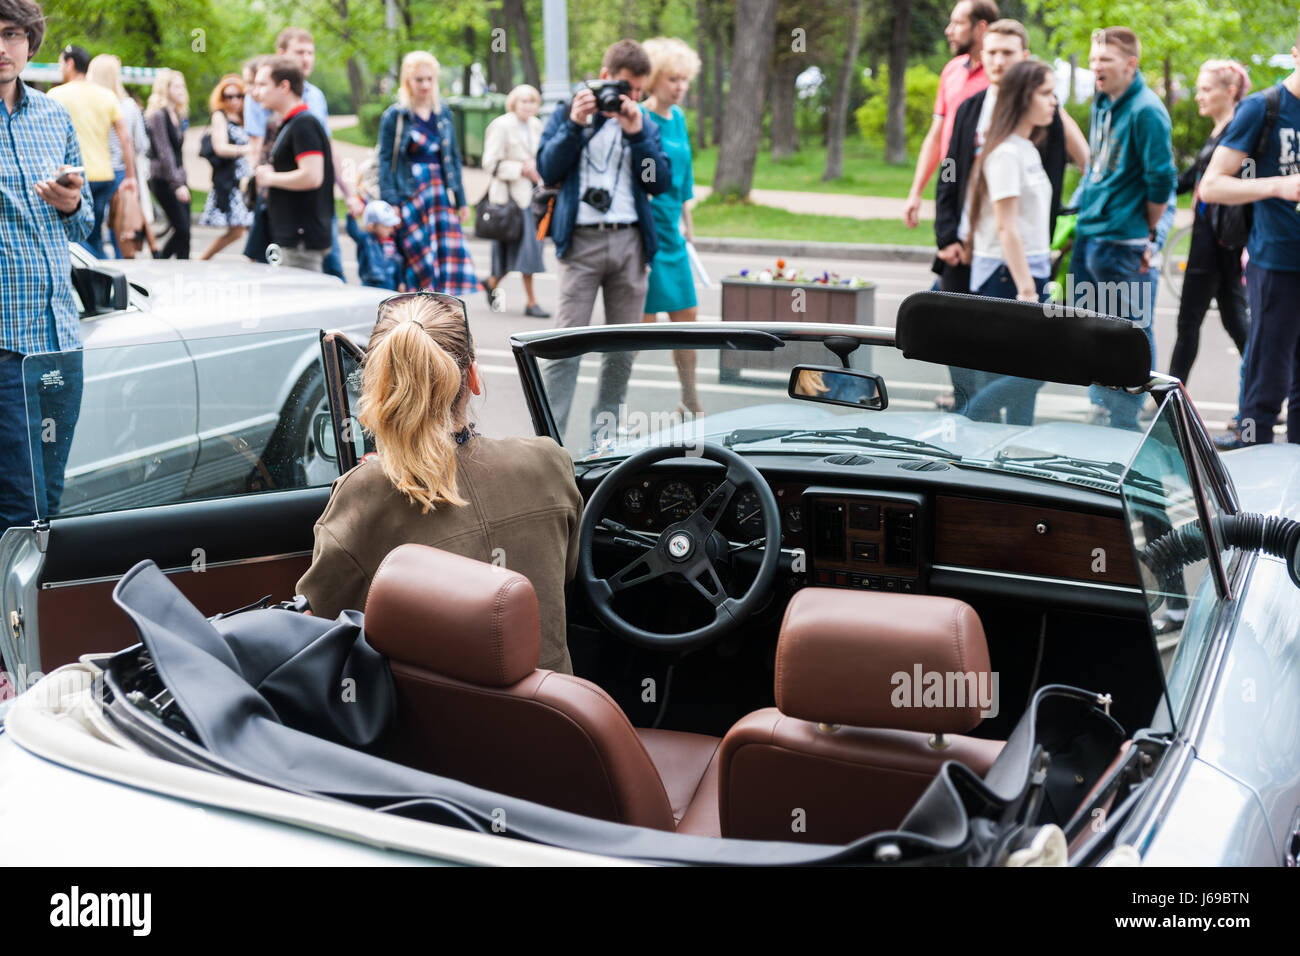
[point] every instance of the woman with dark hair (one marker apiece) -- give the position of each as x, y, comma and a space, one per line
1213, 269
435, 481
1010, 212
225, 207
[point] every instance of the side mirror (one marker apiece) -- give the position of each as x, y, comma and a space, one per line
838, 386
101, 290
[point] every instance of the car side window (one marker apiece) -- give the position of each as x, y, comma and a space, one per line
161, 423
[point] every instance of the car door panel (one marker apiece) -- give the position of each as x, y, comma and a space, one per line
222, 554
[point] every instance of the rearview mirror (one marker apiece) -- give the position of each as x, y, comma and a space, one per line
838, 386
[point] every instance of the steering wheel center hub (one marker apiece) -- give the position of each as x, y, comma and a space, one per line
680, 546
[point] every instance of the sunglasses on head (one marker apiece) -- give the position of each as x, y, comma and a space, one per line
450, 301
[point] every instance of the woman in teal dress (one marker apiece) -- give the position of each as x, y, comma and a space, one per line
672, 285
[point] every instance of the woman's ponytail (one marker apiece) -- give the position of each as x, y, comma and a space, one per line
411, 395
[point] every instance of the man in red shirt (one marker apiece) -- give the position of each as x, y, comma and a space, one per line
963, 76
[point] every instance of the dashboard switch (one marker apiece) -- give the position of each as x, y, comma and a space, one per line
866, 551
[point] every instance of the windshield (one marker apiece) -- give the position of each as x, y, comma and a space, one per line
613, 403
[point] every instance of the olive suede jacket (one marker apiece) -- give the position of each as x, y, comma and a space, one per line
535, 533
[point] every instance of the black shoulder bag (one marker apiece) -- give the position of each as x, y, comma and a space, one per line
502, 222
1232, 224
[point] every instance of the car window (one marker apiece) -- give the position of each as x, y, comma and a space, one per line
142, 425
1170, 544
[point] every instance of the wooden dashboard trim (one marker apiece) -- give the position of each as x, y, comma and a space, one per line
1005, 536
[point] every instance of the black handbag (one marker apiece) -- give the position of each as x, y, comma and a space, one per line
502, 222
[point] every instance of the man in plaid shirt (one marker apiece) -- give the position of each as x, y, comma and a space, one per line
40, 397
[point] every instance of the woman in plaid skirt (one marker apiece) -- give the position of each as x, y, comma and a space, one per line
420, 177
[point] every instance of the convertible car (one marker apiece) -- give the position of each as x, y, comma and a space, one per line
826, 621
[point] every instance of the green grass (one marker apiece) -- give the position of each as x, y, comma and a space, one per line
749, 221
354, 135
198, 197
865, 171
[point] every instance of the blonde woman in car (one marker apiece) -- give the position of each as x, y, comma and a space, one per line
435, 481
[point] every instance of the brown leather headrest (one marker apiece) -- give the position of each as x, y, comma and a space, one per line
885, 661
454, 616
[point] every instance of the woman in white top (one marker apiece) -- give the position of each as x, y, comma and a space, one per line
1010, 215
509, 156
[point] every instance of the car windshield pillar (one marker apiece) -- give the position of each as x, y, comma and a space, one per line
1180, 559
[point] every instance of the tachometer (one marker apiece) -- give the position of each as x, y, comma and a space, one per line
675, 501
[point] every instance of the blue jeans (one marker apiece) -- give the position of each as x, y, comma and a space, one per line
40, 402
1017, 395
1271, 366
101, 194
333, 265
118, 176
1106, 277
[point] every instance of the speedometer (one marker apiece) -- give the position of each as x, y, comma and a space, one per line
675, 501
747, 513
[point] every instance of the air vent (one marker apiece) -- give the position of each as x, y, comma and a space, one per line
922, 465
849, 459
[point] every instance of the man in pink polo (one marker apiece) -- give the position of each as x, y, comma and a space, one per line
963, 76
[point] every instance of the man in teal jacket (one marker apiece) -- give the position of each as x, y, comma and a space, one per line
1124, 195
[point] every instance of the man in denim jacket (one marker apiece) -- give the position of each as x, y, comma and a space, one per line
607, 166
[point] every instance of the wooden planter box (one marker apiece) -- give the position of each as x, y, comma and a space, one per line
745, 301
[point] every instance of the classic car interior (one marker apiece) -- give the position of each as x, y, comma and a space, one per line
738, 629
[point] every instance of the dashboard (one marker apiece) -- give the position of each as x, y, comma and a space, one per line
895, 527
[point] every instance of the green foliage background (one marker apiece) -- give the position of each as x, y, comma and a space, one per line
921, 84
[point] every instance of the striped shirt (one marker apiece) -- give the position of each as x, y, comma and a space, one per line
37, 310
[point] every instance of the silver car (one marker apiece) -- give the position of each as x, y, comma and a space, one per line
1138, 597
201, 378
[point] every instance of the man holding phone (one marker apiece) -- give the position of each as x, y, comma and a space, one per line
40, 398
608, 162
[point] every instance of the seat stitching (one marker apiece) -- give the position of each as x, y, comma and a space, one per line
426, 678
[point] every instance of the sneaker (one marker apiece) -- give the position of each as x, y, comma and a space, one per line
536, 312
496, 301
1229, 442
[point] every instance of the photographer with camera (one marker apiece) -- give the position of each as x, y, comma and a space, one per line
607, 162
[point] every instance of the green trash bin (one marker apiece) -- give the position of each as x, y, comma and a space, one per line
471, 115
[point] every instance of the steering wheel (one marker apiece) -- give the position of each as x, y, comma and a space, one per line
682, 549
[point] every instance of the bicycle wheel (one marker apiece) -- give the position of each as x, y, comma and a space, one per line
1176, 252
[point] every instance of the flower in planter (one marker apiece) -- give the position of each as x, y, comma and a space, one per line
765, 276
780, 265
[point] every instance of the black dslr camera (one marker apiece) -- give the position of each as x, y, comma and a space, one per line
608, 93
598, 198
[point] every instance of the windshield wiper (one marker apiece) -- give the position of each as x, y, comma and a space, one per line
1090, 468
865, 437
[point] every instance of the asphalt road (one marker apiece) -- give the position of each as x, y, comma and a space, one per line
501, 411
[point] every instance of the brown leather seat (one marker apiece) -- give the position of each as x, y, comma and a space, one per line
463, 638
808, 769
